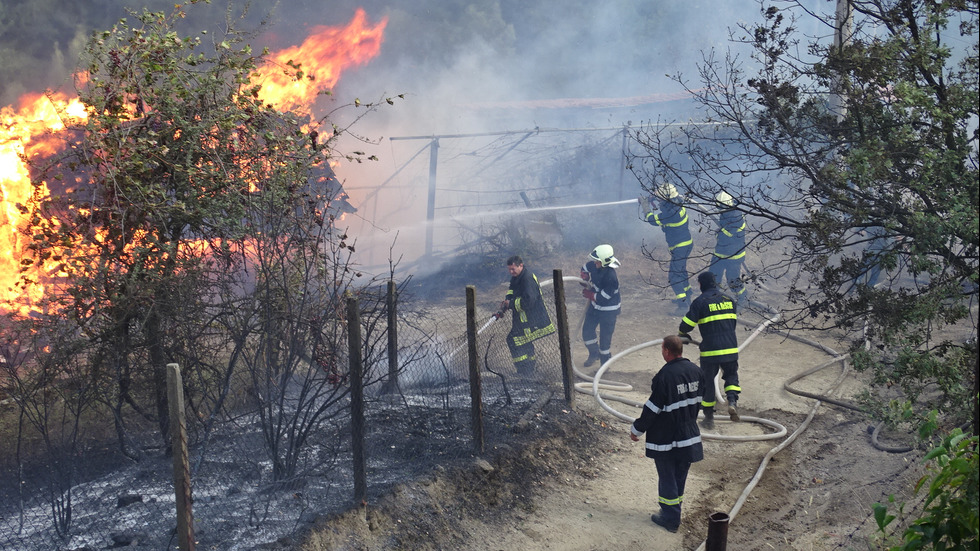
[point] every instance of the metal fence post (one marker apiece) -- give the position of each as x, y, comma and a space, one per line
717, 532
430, 209
391, 385
564, 344
476, 387
182, 470
356, 399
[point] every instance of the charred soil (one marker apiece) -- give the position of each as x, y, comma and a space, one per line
575, 481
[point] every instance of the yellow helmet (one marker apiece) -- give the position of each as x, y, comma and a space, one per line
724, 198
666, 191
604, 254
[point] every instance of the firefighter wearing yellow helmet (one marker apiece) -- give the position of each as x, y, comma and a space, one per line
602, 290
672, 219
729, 254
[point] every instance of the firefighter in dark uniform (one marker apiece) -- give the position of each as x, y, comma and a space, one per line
530, 317
726, 262
713, 312
602, 290
672, 219
669, 419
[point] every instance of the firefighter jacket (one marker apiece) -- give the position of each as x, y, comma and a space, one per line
673, 220
669, 417
714, 314
529, 310
731, 235
605, 284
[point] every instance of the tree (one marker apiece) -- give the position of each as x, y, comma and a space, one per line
886, 181
153, 190
291, 328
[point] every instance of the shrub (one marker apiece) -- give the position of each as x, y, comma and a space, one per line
950, 512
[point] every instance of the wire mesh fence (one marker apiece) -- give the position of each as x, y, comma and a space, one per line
93, 497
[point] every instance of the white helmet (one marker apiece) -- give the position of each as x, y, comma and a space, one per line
604, 254
666, 191
724, 198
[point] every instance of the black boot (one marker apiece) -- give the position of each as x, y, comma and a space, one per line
593, 355
659, 520
732, 408
603, 358
709, 419
526, 367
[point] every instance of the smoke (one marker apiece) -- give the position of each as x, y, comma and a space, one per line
484, 67
538, 51
511, 67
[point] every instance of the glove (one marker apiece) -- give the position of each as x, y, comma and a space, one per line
589, 294
684, 336
652, 202
585, 275
503, 306
498, 315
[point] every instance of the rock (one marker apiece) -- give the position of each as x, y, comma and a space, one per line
126, 538
127, 500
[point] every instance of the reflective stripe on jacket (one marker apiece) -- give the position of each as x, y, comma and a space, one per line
669, 417
731, 235
605, 284
673, 220
713, 313
525, 299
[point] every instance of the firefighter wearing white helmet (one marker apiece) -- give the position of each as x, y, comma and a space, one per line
729, 254
672, 219
602, 290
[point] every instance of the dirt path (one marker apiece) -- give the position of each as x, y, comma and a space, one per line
815, 494
593, 489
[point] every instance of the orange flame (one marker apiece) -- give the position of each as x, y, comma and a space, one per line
26, 133
322, 57
30, 130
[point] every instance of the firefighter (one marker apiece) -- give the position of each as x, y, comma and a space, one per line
530, 319
730, 247
672, 219
713, 312
669, 419
602, 290
878, 246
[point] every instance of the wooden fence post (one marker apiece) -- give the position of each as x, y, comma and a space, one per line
356, 399
182, 471
564, 346
476, 387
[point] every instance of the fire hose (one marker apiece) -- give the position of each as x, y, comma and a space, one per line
597, 386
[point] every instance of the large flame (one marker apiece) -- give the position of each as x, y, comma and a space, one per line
26, 132
30, 130
321, 58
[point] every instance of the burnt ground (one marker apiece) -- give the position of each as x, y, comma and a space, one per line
569, 478
583, 485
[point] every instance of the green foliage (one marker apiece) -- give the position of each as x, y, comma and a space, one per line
190, 221
172, 147
854, 157
950, 513
929, 379
41, 40
152, 197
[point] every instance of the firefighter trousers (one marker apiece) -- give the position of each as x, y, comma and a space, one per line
729, 373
